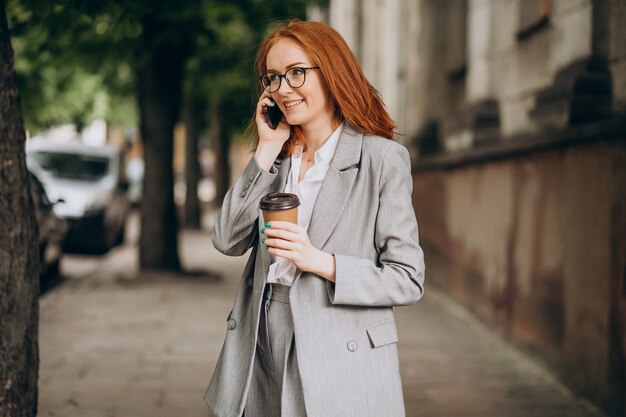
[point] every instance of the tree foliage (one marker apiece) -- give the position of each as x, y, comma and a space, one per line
75, 60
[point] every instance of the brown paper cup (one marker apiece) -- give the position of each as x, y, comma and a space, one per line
290, 215
280, 207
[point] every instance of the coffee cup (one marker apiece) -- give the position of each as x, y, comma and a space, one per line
280, 206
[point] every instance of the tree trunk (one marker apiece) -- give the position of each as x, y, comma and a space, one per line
159, 86
219, 140
19, 257
192, 165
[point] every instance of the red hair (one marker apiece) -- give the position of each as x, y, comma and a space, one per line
355, 100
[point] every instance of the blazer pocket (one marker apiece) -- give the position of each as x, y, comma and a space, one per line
383, 333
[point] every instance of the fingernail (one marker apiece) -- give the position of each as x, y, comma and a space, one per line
272, 101
263, 230
262, 240
268, 224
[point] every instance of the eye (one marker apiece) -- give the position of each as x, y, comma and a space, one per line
297, 72
273, 78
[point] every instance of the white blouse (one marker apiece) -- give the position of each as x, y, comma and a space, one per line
283, 271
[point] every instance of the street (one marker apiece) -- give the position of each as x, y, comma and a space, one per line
118, 343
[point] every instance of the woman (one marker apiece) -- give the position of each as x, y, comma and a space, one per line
312, 330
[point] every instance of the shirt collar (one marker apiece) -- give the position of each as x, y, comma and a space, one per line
325, 153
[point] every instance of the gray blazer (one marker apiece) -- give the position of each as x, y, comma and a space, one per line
345, 333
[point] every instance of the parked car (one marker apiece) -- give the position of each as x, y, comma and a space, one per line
90, 186
52, 230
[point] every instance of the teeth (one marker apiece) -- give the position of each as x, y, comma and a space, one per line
293, 103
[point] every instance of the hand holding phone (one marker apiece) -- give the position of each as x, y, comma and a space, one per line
273, 115
273, 131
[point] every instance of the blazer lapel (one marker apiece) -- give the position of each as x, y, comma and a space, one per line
335, 188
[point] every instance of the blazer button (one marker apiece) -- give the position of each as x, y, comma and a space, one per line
352, 346
231, 324
246, 186
250, 178
243, 194
250, 282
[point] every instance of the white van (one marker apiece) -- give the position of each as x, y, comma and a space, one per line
89, 189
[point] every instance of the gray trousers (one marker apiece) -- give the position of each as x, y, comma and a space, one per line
275, 388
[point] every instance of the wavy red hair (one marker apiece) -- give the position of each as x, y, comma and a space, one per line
355, 100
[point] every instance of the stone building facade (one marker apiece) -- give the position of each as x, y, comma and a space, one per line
514, 112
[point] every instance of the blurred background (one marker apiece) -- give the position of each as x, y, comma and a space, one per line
514, 112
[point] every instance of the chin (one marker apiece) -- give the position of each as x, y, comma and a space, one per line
295, 121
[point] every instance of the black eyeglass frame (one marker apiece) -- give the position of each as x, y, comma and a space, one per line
281, 76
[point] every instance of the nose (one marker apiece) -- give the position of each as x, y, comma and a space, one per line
284, 87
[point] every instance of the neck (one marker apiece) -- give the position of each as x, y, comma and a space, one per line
315, 135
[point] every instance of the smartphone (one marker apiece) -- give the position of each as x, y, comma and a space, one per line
273, 115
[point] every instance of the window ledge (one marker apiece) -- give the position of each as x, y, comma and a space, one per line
523, 144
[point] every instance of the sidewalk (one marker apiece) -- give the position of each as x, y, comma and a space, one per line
117, 343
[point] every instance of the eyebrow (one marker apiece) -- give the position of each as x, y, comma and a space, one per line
288, 66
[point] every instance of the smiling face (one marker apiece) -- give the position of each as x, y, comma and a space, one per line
309, 105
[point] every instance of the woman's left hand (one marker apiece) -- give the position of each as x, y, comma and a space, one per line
291, 242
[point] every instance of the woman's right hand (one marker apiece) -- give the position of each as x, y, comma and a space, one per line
270, 140
268, 136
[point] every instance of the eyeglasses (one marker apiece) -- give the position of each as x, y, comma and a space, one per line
295, 77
